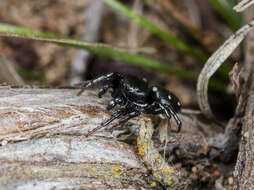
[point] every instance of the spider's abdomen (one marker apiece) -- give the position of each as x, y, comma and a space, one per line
134, 89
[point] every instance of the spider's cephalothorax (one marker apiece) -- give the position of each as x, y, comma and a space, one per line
135, 97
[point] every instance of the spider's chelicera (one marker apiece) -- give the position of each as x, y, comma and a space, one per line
135, 97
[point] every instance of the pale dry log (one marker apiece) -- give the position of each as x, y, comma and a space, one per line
244, 173
91, 34
42, 132
26, 113
242, 5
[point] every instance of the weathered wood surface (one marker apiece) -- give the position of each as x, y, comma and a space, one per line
42, 133
25, 113
44, 146
244, 173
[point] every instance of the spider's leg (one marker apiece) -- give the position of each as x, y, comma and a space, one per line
170, 112
102, 79
80, 92
131, 115
116, 92
94, 130
113, 117
104, 89
116, 115
178, 121
154, 109
175, 116
112, 103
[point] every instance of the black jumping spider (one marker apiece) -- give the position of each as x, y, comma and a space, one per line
135, 97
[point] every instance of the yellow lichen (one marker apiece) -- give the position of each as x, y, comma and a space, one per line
138, 141
149, 122
165, 170
170, 179
148, 166
142, 153
106, 176
94, 169
53, 174
151, 156
153, 184
112, 171
78, 172
158, 179
117, 175
145, 145
116, 167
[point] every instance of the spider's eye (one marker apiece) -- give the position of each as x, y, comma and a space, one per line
155, 89
169, 97
144, 79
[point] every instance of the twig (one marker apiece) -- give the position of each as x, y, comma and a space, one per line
244, 4
214, 62
91, 34
162, 171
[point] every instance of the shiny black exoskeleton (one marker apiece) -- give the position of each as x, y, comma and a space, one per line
135, 97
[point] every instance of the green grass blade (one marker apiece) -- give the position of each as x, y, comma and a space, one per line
105, 50
225, 9
170, 39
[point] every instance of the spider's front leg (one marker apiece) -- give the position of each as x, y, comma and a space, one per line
104, 89
178, 121
118, 99
130, 116
116, 115
170, 112
112, 103
153, 109
107, 79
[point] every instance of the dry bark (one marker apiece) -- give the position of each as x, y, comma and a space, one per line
42, 133
44, 146
244, 173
